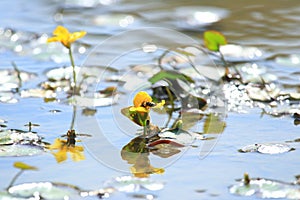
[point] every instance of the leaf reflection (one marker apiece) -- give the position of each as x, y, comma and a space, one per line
137, 153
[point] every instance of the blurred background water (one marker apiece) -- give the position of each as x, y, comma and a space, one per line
272, 26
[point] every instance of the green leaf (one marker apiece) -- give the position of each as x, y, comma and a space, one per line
168, 74
140, 118
24, 166
213, 40
213, 124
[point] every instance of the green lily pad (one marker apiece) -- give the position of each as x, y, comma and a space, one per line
45, 190
213, 40
170, 75
20, 150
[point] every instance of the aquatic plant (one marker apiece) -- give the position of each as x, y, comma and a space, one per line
62, 34
139, 112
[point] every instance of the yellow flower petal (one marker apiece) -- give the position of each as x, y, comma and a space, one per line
77, 156
61, 34
57, 144
60, 30
53, 39
76, 35
61, 155
138, 109
161, 104
140, 98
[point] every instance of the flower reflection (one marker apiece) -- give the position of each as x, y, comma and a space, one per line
137, 154
61, 147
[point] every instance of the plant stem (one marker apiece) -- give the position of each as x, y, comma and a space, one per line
14, 179
73, 67
73, 117
18, 75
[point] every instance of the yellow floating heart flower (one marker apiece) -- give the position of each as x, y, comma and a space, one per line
61, 34
139, 112
142, 102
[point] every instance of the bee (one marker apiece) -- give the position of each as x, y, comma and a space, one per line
148, 104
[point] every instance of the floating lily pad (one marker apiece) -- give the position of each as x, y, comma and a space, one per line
19, 137
45, 190
20, 150
264, 188
267, 148
133, 184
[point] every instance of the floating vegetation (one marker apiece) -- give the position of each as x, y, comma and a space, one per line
132, 184
44, 190
267, 148
265, 188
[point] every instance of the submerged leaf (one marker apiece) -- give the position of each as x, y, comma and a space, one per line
213, 40
24, 166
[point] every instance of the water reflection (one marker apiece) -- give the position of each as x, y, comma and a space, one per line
136, 153
60, 148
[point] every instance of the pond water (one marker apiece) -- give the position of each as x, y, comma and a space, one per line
116, 33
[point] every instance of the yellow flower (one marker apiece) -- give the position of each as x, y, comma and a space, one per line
63, 148
141, 98
142, 102
61, 34
139, 112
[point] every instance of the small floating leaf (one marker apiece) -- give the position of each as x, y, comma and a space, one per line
213, 40
20, 150
133, 184
265, 188
24, 166
274, 148
168, 74
267, 148
45, 190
